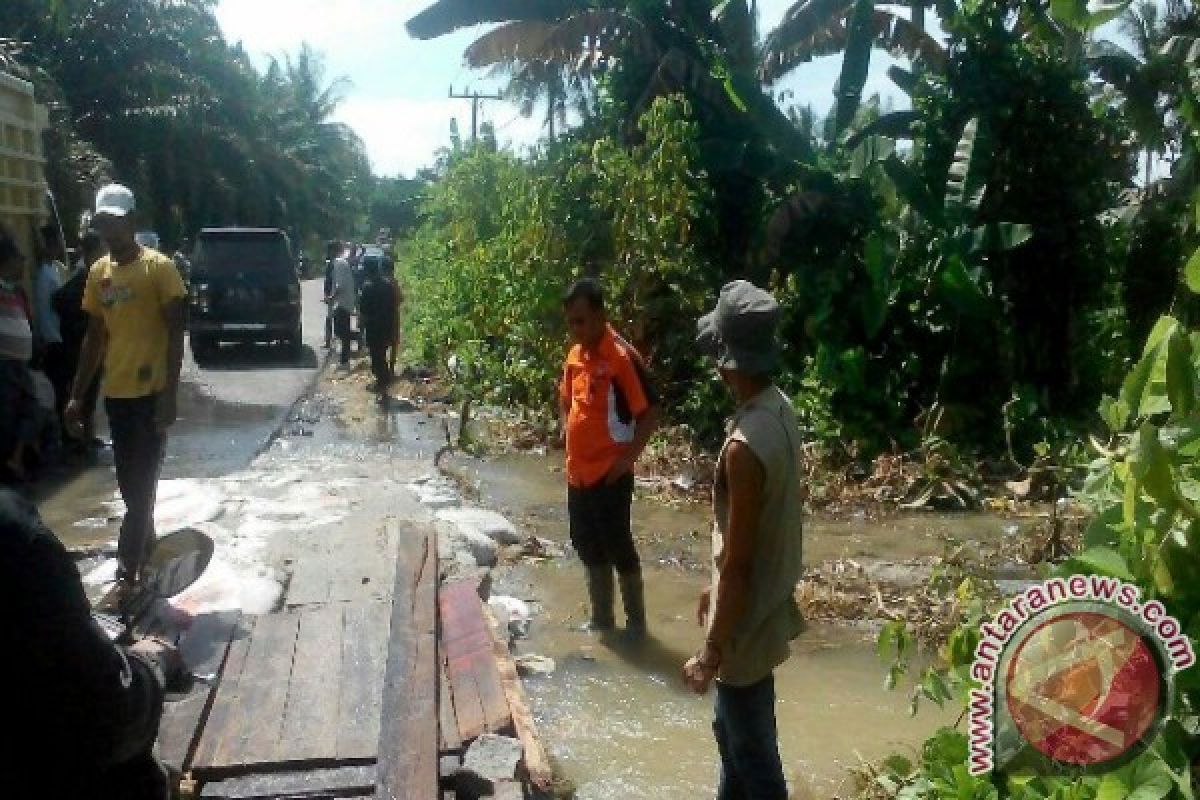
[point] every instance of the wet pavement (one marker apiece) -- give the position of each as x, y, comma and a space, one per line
229, 409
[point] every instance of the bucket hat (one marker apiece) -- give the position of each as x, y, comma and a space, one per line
740, 332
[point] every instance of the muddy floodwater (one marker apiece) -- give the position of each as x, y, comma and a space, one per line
615, 714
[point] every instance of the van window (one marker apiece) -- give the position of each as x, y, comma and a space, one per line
241, 252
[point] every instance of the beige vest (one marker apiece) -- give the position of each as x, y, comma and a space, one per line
767, 425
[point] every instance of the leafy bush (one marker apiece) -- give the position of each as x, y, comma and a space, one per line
503, 238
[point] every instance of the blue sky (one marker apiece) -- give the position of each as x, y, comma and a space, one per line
398, 98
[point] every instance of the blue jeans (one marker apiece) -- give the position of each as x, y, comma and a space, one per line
748, 742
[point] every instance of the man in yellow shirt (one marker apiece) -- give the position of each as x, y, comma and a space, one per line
134, 298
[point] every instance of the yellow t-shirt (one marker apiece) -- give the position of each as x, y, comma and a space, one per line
130, 298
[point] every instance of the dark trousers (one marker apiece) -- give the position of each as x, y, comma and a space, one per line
138, 449
748, 742
380, 366
601, 532
341, 326
60, 370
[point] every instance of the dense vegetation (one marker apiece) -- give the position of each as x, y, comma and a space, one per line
981, 266
149, 92
1006, 268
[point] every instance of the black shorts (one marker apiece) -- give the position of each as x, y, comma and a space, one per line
600, 526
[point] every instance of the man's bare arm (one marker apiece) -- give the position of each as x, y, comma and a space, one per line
173, 316
745, 477
91, 355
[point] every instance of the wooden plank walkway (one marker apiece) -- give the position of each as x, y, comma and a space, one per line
408, 740
475, 689
203, 648
354, 698
303, 688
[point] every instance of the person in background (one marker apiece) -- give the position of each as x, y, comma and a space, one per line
182, 263
342, 297
47, 280
749, 612
378, 312
19, 412
610, 411
135, 298
394, 350
332, 250
73, 323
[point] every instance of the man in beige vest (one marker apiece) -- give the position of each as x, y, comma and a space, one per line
749, 612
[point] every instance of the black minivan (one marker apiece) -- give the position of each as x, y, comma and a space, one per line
244, 288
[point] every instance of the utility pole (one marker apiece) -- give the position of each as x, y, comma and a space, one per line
475, 98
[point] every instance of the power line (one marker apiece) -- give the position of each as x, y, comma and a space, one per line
475, 98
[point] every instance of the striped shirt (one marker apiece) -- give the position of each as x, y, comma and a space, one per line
16, 336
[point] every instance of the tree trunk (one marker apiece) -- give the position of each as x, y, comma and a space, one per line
918, 14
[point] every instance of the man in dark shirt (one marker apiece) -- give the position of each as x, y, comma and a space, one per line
88, 710
68, 302
377, 312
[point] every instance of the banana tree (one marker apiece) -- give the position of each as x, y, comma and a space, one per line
855, 28
705, 50
956, 240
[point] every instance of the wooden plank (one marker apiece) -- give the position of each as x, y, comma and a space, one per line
336, 782
496, 715
203, 649
364, 659
219, 724
262, 692
314, 690
468, 642
537, 763
458, 609
465, 646
423, 687
408, 739
468, 707
447, 721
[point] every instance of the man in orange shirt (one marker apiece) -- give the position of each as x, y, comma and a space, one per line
610, 409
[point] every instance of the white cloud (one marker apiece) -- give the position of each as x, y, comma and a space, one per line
398, 99
403, 134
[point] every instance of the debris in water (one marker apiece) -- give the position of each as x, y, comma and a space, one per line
486, 522
533, 664
512, 612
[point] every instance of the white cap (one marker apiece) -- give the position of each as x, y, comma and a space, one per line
115, 200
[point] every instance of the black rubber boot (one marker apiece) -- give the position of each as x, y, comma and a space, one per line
634, 598
600, 592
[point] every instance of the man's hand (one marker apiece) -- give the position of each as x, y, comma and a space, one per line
621, 467
702, 607
701, 669
165, 412
164, 657
698, 675
73, 417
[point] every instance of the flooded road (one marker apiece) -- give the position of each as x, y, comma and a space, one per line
228, 410
616, 714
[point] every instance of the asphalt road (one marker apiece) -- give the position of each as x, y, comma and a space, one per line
233, 403
228, 409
